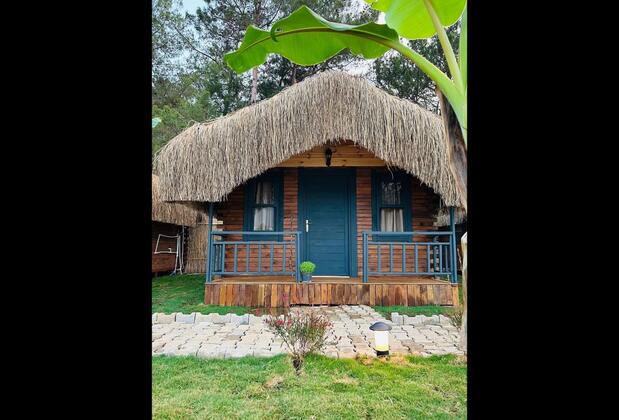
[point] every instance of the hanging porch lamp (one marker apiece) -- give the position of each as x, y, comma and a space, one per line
328, 154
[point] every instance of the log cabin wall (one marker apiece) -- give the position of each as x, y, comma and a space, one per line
231, 212
424, 207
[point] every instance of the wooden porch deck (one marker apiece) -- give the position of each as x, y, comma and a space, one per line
280, 291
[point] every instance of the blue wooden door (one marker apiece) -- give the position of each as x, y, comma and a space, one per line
325, 200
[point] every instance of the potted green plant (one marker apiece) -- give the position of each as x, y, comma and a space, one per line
307, 268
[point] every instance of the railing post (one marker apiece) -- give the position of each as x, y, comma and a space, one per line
209, 246
454, 260
365, 257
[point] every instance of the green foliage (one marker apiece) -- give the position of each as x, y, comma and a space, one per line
175, 118
417, 388
288, 37
410, 18
307, 267
185, 293
463, 49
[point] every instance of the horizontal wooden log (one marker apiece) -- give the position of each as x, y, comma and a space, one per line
282, 294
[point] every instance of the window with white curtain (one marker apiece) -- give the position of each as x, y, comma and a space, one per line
264, 206
391, 210
391, 204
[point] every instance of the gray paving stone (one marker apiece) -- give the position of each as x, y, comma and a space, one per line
158, 345
211, 352
204, 318
236, 319
185, 319
397, 318
221, 319
191, 351
166, 319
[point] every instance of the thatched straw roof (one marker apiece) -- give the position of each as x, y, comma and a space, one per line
442, 218
208, 160
177, 214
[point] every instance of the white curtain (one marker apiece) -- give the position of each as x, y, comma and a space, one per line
391, 220
263, 218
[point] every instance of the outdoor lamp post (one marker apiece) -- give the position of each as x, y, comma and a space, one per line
381, 338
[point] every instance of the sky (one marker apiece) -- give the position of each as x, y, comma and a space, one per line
192, 5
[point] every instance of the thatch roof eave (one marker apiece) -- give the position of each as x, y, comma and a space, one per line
174, 213
208, 160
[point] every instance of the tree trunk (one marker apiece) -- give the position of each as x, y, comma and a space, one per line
254, 84
456, 149
463, 327
456, 153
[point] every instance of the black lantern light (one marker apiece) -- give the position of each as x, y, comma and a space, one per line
328, 154
381, 338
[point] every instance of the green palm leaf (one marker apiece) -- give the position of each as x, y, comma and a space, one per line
305, 38
411, 18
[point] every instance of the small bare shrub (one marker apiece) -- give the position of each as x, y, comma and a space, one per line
303, 333
456, 316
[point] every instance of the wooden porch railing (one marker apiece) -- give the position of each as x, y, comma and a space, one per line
437, 257
250, 257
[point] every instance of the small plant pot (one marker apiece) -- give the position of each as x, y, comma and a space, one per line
306, 277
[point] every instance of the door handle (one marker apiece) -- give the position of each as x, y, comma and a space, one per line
307, 223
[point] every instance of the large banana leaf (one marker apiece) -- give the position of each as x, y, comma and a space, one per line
305, 38
411, 18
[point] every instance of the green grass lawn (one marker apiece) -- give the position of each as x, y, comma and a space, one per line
267, 388
185, 293
414, 310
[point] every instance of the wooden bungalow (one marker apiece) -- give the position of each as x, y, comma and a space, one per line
169, 223
331, 170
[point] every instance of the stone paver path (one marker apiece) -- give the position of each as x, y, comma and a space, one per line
230, 335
